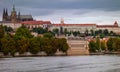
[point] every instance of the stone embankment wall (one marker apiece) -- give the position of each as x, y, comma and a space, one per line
78, 47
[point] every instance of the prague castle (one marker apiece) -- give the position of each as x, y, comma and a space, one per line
15, 20
14, 17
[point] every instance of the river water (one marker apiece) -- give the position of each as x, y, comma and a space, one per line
95, 63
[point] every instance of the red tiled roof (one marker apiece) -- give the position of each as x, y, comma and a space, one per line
36, 22
74, 24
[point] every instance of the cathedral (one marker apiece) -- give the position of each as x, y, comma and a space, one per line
14, 17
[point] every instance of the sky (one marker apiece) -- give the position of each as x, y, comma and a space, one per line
72, 11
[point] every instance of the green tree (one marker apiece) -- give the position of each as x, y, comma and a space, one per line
61, 30
62, 45
75, 33
8, 29
39, 30
110, 44
1, 31
34, 46
92, 32
116, 44
48, 47
1, 35
48, 35
102, 35
96, 32
106, 32
23, 32
100, 31
111, 33
22, 45
92, 46
56, 31
86, 32
8, 45
103, 46
98, 45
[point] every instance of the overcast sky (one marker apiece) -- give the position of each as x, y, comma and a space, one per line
72, 11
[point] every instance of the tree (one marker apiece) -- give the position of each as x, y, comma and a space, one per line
1, 35
39, 30
8, 45
86, 32
116, 44
92, 46
62, 45
1, 31
111, 33
61, 30
110, 44
22, 45
34, 46
75, 33
8, 29
96, 33
98, 45
4, 48
92, 32
106, 32
48, 47
103, 45
56, 31
23, 32
100, 31
48, 35
102, 35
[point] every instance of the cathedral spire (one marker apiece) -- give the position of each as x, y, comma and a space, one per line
4, 15
3, 11
13, 5
13, 14
6, 12
19, 16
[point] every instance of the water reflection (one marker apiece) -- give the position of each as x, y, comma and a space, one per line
99, 63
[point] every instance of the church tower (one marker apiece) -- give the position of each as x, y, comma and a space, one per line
62, 21
4, 18
13, 15
116, 24
18, 16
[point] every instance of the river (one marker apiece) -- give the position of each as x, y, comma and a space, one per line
95, 63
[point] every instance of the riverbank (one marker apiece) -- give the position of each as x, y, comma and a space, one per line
44, 55
104, 53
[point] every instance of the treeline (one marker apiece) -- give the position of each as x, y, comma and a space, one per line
101, 33
112, 45
97, 45
23, 42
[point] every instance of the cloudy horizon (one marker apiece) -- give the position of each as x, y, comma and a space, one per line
72, 11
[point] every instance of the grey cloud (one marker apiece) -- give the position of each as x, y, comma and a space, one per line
70, 4
63, 4
61, 8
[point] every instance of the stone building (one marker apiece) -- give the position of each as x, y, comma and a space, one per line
36, 24
14, 17
83, 27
